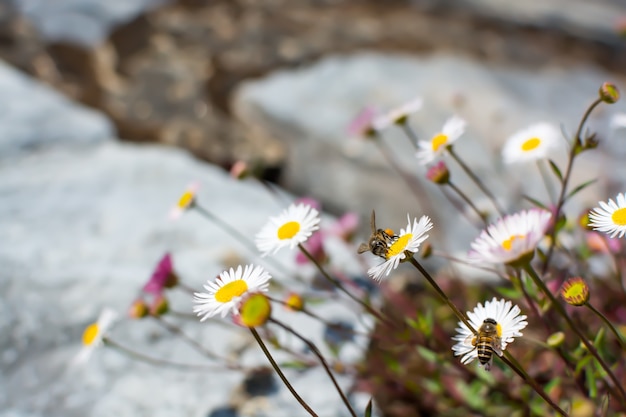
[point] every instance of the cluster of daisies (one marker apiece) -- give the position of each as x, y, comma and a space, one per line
511, 240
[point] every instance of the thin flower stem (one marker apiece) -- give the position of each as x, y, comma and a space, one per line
517, 368
574, 149
191, 341
410, 133
609, 325
234, 232
319, 355
343, 289
444, 255
164, 362
546, 180
465, 198
531, 272
282, 376
476, 180
442, 294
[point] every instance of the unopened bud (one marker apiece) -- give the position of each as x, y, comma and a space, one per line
584, 220
138, 309
240, 170
255, 310
439, 173
171, 281
159, 306
427, 250
609, 93
294, 302
556, 339
575, 291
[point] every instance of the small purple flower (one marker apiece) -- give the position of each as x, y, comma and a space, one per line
159, 278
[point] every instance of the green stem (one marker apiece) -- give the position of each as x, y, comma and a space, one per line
476, 180
163, 362
568, 172
282, 376
192, 342
608, 323
515, 366
465, 198
442, 294
340, 286
319, 355
546, 180
531, 272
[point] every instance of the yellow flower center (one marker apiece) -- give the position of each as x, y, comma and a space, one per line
499, 330
90, 334
439, 141
531, 144
185, 199
288, 230
399, 245
508, 244
231, 290
619, 217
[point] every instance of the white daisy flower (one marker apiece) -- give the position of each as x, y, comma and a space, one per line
223, 295
428, 151
511, 238
532, 143
409, 240
497, 324
610, 217
398, 114
185, 202
93, 334
292, 227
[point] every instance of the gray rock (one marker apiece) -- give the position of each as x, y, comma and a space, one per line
310, 108
34, 116
83, 22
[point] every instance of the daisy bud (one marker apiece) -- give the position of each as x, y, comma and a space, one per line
240, 170
609, 93
575, 291
171, 281
556, 339
254, 310
439, 174
294, 302
159, 306
138, 309
583, 220
427, 250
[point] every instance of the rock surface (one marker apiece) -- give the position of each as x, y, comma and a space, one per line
309, 110
82, 226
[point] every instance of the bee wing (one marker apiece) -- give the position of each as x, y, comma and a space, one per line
470, 340
496, 345
363, 247
373, 222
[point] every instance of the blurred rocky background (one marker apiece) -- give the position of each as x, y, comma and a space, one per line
273, 82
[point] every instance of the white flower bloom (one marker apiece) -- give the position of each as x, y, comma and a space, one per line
532, 143
510, 238
618, 121
452, 129
186, 200
223, 295
409, 240
292, 227
610, 217
398, 114
93, 334
508, 323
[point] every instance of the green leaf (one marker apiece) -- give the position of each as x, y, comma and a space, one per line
512, 293
579, 188
427, 354
298, 365
556, 170
368, 409
535, 202
582, 363
591, 384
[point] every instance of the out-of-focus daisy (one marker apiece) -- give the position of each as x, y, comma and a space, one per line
497, 324
185, 202
610, 217
511, 238
452, 129
94, 333
225, 292
292, 227
363, 123
402, 246
532, 143
398, 115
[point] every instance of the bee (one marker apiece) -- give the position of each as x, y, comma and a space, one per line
486, 341
380, 240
